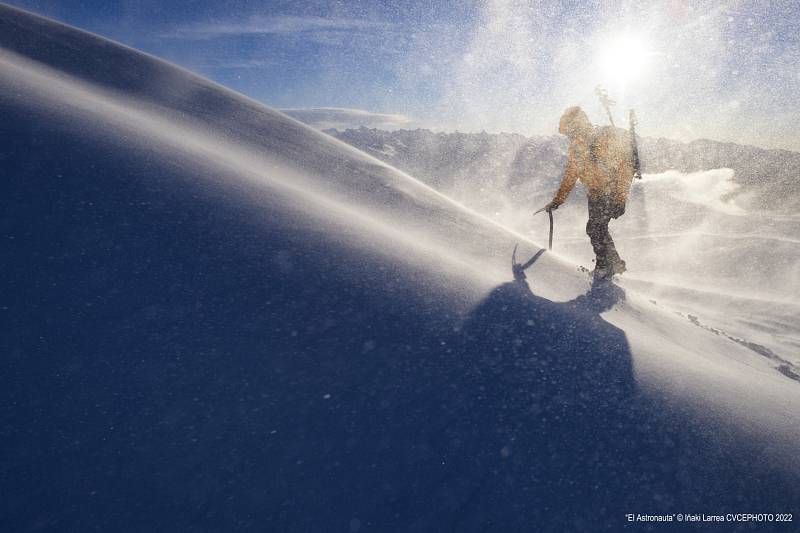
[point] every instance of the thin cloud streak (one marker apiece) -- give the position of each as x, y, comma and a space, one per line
242, 64
277, 25
341, 118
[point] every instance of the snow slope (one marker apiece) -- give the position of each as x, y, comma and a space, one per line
216, 318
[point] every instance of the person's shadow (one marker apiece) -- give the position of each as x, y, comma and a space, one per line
568, 442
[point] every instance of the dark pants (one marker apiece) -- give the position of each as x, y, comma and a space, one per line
601, 210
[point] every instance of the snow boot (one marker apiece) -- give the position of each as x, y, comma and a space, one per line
604, 270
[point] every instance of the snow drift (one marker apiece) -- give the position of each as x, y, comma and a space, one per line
218, 318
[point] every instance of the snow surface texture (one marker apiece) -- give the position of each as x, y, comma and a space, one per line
216, 318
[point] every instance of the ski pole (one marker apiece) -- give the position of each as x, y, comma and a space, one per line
637, 166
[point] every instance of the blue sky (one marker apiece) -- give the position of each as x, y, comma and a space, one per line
722, 70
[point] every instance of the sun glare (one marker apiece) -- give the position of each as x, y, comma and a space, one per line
623, 60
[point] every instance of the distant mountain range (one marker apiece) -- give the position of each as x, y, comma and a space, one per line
521, 167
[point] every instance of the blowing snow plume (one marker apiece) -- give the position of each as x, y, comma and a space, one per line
218, 318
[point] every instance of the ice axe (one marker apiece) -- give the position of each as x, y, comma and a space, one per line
550, 213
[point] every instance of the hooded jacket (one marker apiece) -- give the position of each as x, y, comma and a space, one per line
602, 161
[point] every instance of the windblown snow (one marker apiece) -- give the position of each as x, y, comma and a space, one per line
719, 243
219, 318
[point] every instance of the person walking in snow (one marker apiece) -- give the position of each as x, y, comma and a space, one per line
600, 157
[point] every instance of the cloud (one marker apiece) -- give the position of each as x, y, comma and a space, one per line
277, 25
235, 64
343, 118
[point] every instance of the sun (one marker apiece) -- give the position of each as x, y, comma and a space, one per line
624, 58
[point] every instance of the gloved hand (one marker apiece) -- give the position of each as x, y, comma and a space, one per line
549, 207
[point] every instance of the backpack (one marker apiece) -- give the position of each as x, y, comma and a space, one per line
611, 147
